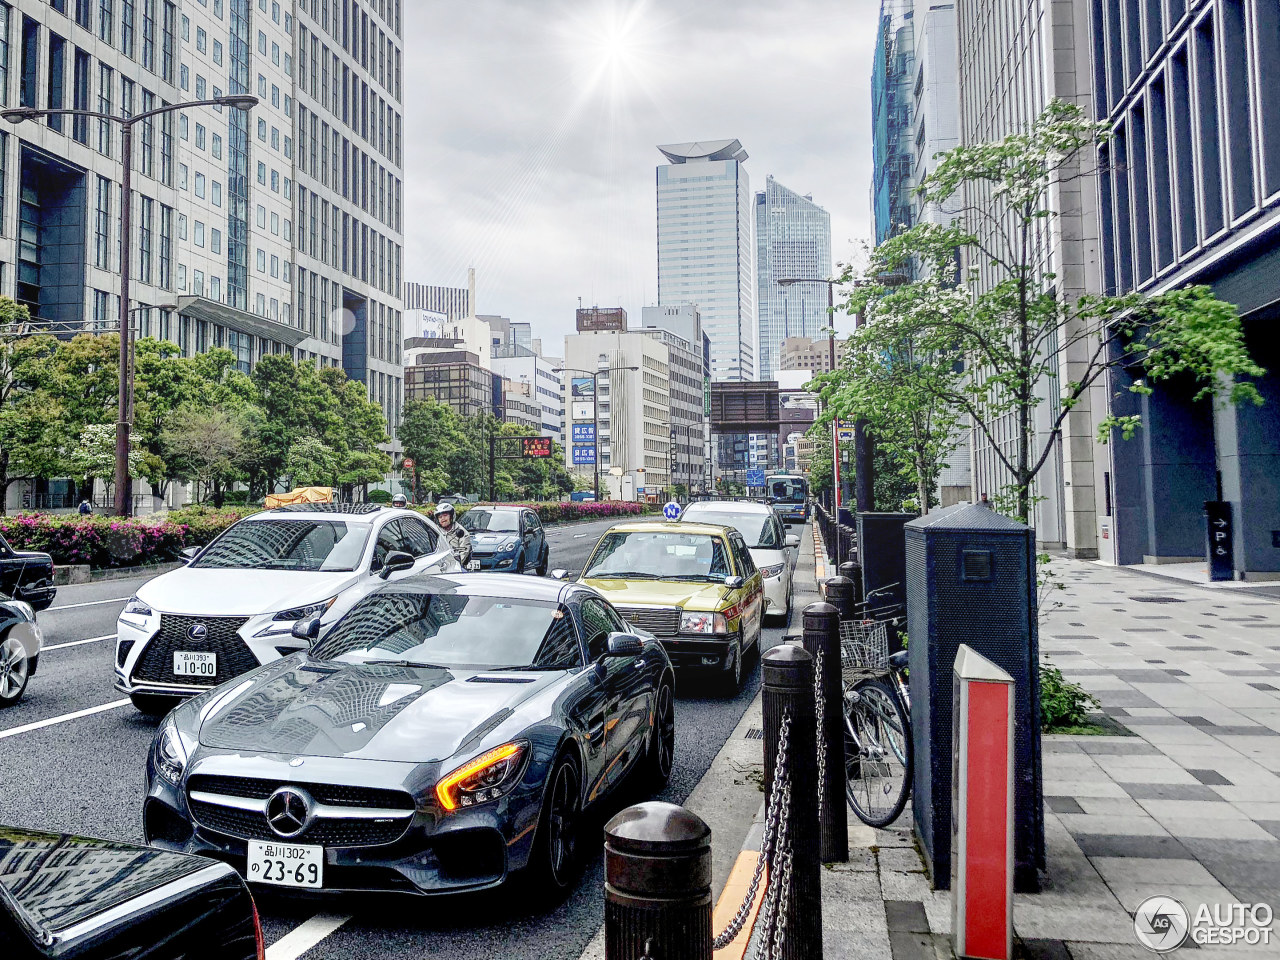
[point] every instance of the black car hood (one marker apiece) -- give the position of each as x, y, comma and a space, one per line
56, 881
328, 709
34, 558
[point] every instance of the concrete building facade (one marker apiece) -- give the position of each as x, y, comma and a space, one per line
706, 252
690, 348
793, 242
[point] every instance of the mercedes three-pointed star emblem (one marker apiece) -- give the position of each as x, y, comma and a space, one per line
289, 811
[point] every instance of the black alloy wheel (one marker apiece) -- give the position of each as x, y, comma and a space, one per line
660, 758
554, 861
15, 670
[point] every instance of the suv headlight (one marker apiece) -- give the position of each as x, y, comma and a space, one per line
485, 778
283, 621
704, 623
134, 612
772, 571
172, 753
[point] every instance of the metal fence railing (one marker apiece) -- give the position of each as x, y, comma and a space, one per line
839, 539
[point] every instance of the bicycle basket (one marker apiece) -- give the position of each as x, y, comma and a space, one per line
864, 646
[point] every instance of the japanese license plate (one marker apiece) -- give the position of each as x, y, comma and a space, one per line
188, 664
286, 864
473, 564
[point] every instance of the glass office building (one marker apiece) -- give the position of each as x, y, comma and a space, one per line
705, 251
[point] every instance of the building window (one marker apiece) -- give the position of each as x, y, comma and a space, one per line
57, 78
126, 28
106, 21
102, 226
149, 35
166, 241
80, 91
106, 133
27, 91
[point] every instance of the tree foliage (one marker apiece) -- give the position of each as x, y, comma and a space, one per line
1024, 344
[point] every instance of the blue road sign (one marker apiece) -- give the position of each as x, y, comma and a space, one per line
671, 511
583, 455
755, 478
584, 433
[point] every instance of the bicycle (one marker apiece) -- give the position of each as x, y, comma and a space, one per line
877, 715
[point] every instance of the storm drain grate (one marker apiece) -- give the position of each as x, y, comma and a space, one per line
755, 733
1158, 599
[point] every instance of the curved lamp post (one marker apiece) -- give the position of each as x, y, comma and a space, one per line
236, 101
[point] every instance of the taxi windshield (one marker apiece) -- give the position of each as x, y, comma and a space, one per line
659, 555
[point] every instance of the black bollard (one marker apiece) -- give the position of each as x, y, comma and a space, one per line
822, 640
788, 690
853, 570
839, 593
657, 891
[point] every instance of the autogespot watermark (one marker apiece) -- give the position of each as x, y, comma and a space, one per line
1163, 924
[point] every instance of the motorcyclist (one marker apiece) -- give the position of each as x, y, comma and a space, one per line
400, 500
456, 533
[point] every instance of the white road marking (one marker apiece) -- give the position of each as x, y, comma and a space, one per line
28, 727
579, 536
87, 603
78, 643
304, 936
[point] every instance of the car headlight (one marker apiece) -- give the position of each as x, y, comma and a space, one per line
283, 621
510, 543
704, 623
485, 778
772, 571
171, 753
137, 608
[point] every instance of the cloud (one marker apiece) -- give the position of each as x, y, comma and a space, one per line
531, 128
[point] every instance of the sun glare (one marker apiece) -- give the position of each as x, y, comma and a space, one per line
614, 43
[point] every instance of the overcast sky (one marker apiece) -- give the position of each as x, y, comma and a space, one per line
531, 125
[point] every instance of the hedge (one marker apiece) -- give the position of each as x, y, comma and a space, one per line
111, 542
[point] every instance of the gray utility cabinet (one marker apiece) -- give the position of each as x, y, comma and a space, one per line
970, 575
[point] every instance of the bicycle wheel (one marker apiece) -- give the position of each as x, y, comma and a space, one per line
877, 745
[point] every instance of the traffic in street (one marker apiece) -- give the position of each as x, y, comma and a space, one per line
77, 752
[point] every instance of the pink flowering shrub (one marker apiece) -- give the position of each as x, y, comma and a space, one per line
113, 542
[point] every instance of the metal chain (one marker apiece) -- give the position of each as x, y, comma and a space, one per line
773, 918
773, 817
821, 698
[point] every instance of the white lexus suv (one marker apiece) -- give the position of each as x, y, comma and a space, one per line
234, 605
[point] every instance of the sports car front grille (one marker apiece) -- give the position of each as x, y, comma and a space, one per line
155, 665
660, 621
337, 795
329, 831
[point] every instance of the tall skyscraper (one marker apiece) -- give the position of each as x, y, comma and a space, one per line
705, 250
793, 241
893, 73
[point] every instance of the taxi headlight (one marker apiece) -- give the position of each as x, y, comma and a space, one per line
710, 623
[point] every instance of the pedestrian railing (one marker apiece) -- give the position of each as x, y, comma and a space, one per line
839, 539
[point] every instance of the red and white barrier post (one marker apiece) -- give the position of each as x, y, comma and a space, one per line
982, 808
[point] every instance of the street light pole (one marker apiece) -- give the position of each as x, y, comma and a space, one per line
124, 400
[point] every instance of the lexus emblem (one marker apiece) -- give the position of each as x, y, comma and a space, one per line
289, 811
197, 631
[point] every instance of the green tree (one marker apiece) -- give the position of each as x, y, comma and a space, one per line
31, 437
1023, 342
205, 445
313, 463
433, 437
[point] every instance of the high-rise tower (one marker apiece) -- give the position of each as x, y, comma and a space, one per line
705, 250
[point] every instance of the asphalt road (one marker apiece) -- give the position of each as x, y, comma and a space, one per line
82, 773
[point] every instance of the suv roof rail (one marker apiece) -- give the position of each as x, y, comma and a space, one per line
349, 509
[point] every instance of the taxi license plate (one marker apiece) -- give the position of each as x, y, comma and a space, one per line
188, 664
473, 564
286, 864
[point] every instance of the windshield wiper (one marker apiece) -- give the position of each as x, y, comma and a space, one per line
517, 667
403, 663
623, 575
698, 577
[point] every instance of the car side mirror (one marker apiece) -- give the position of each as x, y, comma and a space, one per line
625, 645
793, 540
396, 560
308, 629
733, 583
559, 574
190, 553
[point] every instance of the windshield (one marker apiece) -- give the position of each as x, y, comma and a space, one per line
478, 519
306, 545
787, 490
758, 530
455, 631
658, 556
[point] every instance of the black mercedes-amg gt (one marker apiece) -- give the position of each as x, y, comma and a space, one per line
446, 732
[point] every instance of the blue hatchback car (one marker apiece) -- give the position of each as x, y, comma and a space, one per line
507, 539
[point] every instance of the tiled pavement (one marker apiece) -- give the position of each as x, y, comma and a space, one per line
1188, 806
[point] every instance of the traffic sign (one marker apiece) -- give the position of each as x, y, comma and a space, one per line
584, 455
755, 478
407, 463
584, 433
1221, 541
535, 446
671, 511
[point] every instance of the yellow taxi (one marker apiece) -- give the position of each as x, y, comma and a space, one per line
691, 585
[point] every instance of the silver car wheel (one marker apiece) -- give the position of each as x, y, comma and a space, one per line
14, 670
